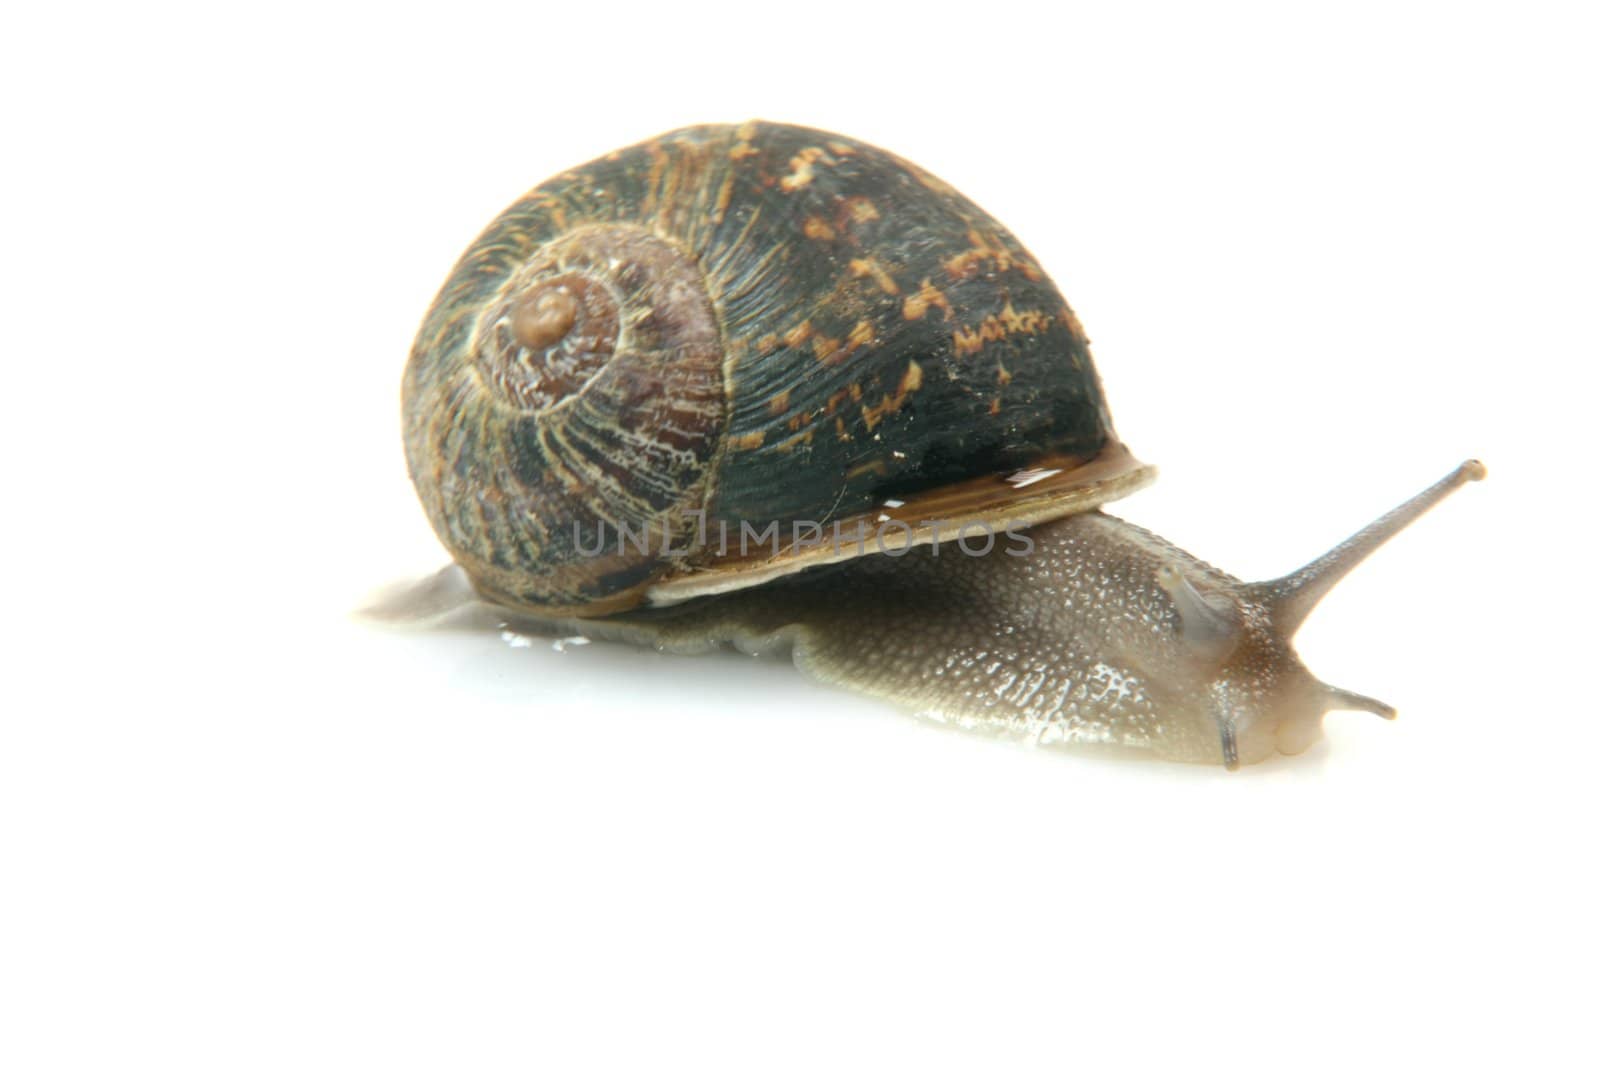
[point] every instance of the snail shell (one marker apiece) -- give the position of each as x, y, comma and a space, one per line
741, 325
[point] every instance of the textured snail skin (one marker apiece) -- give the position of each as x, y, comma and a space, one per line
1075, 642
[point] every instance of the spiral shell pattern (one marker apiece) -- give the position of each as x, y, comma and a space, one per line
729, 324
591, 403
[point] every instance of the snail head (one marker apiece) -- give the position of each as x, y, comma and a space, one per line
1230, 655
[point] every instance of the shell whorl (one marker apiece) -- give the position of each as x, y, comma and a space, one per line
590, 400
757, 324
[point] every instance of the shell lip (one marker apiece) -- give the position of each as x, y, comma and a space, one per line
1048, 488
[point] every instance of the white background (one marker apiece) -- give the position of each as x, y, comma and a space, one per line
1325, 252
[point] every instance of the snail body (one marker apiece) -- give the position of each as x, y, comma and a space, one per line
773, 329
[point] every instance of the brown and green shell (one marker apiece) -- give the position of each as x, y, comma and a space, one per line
728, 327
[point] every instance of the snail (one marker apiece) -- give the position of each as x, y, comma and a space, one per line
772, 387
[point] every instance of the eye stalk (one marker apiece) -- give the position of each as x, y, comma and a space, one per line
1291, 598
